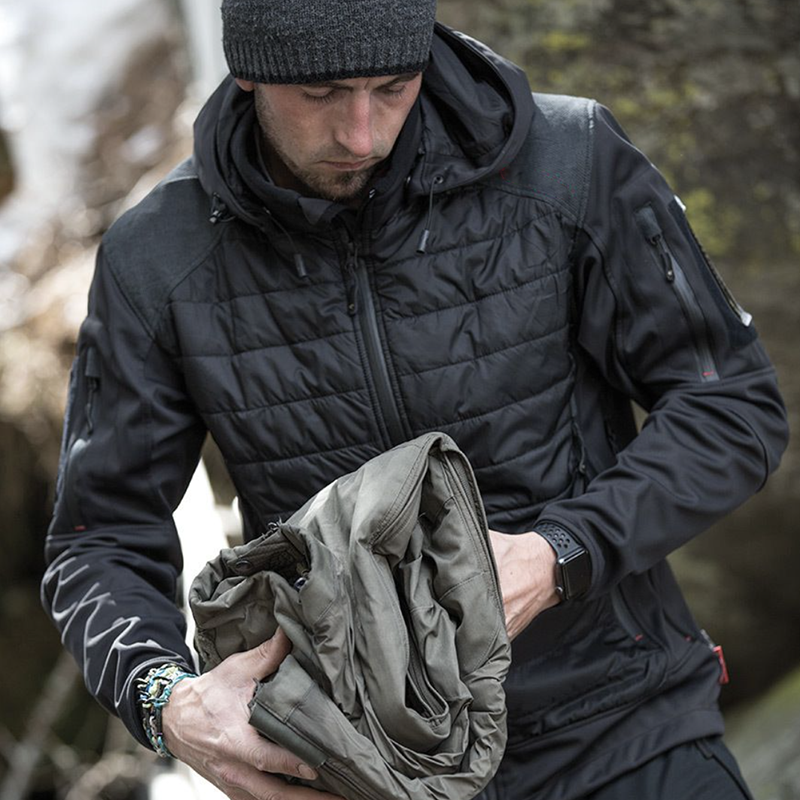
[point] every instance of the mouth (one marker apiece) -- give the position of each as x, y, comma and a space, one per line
349, 166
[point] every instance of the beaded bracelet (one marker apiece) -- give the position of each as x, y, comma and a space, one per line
155, 689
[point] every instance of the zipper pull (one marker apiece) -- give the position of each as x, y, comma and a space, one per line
716, 649
302, 579
666, 258
352, 290
352, 299
350, 277
648, 223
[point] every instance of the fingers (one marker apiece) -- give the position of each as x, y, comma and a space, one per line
224, 748
265, 756
240, 669
242, 782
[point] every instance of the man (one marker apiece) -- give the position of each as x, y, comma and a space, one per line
383, 233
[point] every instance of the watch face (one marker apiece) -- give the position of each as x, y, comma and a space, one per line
574, 574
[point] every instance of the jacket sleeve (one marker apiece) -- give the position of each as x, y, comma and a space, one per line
130, 446
655, 319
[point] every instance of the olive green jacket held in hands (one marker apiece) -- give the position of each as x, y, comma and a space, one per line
385, 583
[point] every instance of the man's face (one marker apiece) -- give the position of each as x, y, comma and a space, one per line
327, 139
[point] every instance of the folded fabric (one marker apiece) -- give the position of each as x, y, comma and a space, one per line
385, 583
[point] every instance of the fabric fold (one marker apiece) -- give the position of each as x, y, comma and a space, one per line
385, 583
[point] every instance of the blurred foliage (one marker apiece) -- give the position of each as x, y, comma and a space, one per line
710, 91
770, 763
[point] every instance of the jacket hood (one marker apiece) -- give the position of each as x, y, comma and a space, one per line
471, 118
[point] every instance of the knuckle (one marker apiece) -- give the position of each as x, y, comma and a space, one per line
259, 758
266, 654
267, 757
228, 775
285, 763
265, 651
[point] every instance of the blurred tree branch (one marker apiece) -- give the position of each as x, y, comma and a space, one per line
26, 754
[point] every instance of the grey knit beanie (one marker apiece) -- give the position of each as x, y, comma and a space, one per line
310, 41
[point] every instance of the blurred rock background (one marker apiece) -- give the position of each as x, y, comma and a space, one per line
96, 104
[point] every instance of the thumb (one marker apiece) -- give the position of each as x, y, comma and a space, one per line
264, 659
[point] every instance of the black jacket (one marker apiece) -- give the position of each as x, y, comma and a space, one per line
559, 280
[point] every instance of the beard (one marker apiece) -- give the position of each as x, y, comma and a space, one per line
312, 178
340, 186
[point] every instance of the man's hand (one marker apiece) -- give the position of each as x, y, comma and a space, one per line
526, 565
206, 726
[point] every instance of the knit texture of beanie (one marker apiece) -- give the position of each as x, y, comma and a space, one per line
311, 41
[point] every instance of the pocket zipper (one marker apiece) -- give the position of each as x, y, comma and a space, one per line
675, 276
678, 211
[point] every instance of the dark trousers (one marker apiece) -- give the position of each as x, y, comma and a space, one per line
701, 770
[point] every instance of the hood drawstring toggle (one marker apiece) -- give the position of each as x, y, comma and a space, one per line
219, 211
422, 247
299, 263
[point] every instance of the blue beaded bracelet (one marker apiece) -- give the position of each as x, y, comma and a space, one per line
155, 689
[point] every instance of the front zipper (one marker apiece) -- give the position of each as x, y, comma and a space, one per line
675, 276
678, 211
361, 306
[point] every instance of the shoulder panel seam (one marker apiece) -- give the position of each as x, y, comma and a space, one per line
150, 321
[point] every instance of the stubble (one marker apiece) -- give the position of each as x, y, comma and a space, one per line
315, 181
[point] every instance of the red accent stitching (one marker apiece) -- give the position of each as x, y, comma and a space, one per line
724, 677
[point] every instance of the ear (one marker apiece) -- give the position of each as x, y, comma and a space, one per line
245, 86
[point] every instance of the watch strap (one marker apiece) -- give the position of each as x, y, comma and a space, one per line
560, 540
573, 567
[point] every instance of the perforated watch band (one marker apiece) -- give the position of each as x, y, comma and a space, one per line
573, 565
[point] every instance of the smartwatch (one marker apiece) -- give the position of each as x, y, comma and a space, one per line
573, 565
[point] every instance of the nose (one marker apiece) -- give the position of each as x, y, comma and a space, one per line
354, 131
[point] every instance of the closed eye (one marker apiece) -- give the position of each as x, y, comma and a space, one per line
394, 89
328, 97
